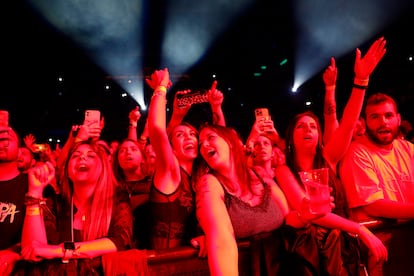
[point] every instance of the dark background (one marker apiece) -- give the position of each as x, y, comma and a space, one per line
34, 55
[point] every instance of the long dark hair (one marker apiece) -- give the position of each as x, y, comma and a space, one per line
318, 161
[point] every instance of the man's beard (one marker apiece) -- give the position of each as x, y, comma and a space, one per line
384, 141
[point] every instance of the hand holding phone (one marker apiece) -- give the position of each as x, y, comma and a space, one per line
261, 114
92, 118
192, 97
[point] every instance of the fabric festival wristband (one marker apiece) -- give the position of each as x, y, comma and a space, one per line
32, 211
363, 87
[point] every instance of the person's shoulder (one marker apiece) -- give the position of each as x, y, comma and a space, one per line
207, 179
208, 182
403, 144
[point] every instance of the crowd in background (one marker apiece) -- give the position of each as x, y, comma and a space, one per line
175, 184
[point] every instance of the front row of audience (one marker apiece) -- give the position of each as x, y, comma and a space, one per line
205, 187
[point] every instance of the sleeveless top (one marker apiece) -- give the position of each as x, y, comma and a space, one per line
173, 219
251, 220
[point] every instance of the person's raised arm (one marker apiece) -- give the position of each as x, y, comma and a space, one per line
34, 232
364, 66
215, 98
178, 111
143, 138
167, 168
78, 133
266, 127
329, 107
134, 116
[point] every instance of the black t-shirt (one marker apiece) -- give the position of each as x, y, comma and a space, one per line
12, 209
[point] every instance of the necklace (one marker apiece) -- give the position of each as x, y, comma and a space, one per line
83, 218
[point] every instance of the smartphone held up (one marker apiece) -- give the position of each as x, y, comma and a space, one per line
261, 114
92, 118
192, 97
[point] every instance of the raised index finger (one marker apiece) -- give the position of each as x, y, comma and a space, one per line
213, 86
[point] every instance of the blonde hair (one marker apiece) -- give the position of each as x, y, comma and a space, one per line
100, 205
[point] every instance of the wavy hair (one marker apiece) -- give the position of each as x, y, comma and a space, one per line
237, 156
318, 161
100, 205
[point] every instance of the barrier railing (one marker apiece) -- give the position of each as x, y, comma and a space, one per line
185, 261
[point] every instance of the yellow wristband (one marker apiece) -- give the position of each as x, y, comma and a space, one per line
32, 210
161, 88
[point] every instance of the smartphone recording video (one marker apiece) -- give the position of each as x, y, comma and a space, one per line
92, 118
193, 97
261, 114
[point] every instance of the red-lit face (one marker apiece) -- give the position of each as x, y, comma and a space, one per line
9, 148
305, 134
184, 142
382, 123
214, 149
25, 159
359, 129
84, 165
262, 149
129, 156
150, 155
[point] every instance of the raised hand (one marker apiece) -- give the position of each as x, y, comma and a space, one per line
365, 65
134, 115
29, 140
39, 177
330, 74
214, 96
159, 78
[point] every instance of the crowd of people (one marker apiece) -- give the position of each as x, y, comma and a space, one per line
178, 185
